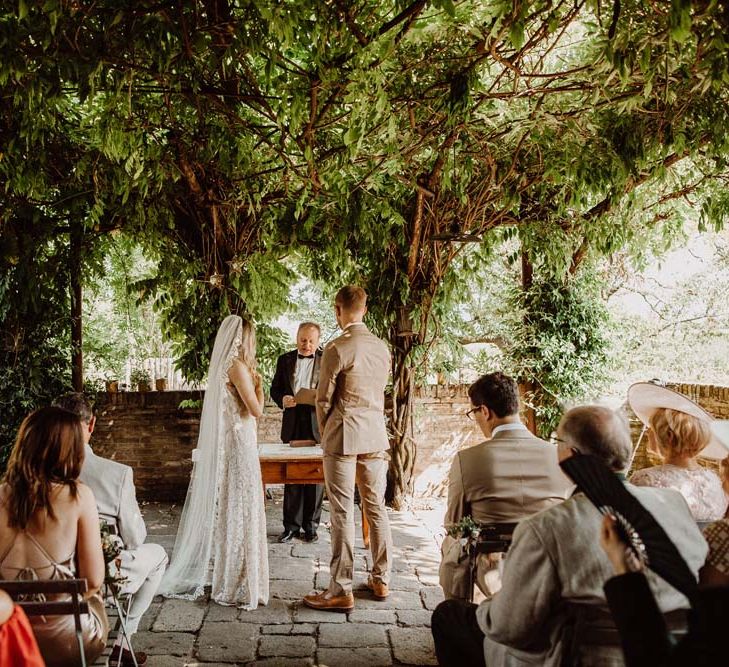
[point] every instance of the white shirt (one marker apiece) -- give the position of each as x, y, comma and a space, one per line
302, 374
516, 426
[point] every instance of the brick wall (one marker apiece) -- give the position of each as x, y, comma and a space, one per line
149, 432
152, 434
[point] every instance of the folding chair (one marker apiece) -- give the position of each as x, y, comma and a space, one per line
493, 538
27, 594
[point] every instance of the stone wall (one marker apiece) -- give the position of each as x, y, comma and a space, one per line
150, 432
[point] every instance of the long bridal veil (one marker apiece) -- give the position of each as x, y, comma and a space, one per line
189, 570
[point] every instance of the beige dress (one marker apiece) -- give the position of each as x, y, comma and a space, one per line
56, 635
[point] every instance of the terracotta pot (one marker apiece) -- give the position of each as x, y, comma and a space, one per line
112, 386
160, 384
143, 386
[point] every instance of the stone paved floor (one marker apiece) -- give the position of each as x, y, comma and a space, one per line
393, 632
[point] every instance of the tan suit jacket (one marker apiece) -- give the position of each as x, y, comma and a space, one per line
350, 399
502, 480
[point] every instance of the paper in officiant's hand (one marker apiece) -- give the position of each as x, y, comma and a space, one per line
305, 397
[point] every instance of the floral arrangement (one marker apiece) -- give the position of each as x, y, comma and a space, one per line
465, 529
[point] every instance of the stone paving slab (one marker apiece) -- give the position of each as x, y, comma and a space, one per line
352, 635
359, 657
297, 629
286, 589
172, 661
276, 611
396, 600
382, 616
177, 633
280, 662
432, 596
164, 643
180, 616
286, 646
417, 617
304, 614
413, 646
227, 642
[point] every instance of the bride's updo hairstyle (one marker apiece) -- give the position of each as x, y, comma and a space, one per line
49, 450
247, 353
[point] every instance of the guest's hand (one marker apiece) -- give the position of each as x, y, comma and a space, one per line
617, 551
289, 402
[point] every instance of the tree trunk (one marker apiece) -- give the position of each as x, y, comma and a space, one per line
402, 441
529, 388
77, 364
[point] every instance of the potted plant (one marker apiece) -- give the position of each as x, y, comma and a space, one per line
141, 379
160, 384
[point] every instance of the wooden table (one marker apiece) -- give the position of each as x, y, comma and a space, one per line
283, 464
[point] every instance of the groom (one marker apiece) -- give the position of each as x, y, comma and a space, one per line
299, 369
350, 407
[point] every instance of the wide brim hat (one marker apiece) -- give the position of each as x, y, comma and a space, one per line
720, 429
645, 398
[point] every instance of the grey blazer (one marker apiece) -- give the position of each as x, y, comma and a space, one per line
113, 487
555, 559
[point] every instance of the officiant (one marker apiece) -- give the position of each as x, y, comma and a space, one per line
292, 389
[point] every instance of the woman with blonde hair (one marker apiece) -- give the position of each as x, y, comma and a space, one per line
49, 529
679, 430
221, 540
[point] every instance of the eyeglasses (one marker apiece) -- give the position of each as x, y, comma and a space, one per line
472, 411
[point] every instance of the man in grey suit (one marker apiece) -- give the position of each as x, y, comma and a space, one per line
350, 407
510, 476
551, 608
113, 485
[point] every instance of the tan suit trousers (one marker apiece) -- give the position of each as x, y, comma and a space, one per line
370, 473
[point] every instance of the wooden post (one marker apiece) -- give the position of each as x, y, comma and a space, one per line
77, 363
527, 277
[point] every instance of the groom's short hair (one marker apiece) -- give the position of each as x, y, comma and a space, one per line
351, 298
77, 403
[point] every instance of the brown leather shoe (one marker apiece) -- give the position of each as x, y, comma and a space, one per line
380, 590
327, 602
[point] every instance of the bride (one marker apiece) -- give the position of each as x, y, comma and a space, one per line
221, 539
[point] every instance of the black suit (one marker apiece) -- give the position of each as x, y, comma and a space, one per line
302, 502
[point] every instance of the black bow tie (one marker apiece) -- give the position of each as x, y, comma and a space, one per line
304, 356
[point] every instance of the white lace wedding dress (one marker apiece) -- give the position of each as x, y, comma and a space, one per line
221, 540
240, 547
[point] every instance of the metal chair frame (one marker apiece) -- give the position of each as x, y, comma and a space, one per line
492, 538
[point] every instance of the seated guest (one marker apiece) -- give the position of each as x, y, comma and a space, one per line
17, 642
510, 476
142, 564
643, 631
679, 430
555, 569
49, 529
716, 569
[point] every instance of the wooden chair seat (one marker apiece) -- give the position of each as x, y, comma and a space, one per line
26, 594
